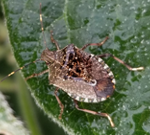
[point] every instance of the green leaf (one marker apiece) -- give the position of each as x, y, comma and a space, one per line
8, 123
81, 22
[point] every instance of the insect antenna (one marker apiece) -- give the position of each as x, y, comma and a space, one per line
32, 61
18, 70
42, 28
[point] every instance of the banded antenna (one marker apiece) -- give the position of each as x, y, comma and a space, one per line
32, 61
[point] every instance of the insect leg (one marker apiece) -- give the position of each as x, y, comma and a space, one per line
60, 104
122, 62
95, 113
53, 40
38, 74
96, 44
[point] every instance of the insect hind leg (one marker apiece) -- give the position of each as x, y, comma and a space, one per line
60, 104
94, 113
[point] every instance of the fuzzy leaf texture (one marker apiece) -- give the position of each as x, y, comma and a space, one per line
81, 22
8, 123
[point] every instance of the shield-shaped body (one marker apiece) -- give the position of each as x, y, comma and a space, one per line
84, 77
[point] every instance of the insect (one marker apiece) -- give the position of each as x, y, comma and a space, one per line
84, 77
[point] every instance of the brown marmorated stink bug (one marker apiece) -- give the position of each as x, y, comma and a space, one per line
84, 77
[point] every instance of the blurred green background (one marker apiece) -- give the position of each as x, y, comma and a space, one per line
15, 90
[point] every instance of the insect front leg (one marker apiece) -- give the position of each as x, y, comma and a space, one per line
38, 74
94, 113
60, 104
96, 44
53, 40
122, 62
